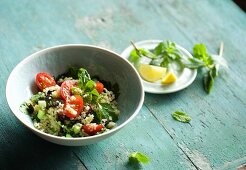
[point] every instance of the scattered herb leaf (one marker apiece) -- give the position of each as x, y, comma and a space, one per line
181, 116
138, 157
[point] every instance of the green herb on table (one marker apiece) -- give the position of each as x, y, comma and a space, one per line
209, 64
138, 157
181, 116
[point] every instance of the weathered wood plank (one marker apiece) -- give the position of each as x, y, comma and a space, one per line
216, 135
143, 134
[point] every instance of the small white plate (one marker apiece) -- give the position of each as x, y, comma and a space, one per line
184, 77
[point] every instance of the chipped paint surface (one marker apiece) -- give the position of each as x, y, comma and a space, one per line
91, 24
198, 159
239, 164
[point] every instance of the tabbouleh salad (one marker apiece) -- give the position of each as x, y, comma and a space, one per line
73, 104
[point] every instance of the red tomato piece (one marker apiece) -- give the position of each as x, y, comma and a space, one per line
92, 128
73, 106
44, 80
99, 87
66, 88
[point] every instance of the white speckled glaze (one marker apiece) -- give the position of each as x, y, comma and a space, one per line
56, 60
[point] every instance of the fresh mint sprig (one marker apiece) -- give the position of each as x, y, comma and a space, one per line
209, 63
167, 52
163, 54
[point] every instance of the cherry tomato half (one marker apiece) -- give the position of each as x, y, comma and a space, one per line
99, 87
44, 80
66, 88
92, 128
73, 106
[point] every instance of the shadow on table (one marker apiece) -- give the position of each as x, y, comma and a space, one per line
31, 152
27, 151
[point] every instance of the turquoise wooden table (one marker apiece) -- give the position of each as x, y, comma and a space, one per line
216, 135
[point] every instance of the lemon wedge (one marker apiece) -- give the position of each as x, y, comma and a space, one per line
169, 78
151, 73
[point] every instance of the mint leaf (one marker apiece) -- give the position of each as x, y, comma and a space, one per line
134, 57
200, 52
208, 82
102, 113
209, 77
83, 77
147, 53
193, 63
138, 157
159, 49
110, 111
165, 61
95, 92
181, 116
90, 85
141, 52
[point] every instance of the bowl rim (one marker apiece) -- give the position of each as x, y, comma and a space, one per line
116, 55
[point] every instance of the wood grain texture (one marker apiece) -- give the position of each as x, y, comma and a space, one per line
216, 136
143, 134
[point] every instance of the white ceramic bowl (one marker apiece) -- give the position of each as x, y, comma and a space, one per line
56, 60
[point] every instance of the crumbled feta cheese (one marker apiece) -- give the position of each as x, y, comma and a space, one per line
111, 125
87, 108
88, 119
55, 91
60, 81
42, 103
85, 95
